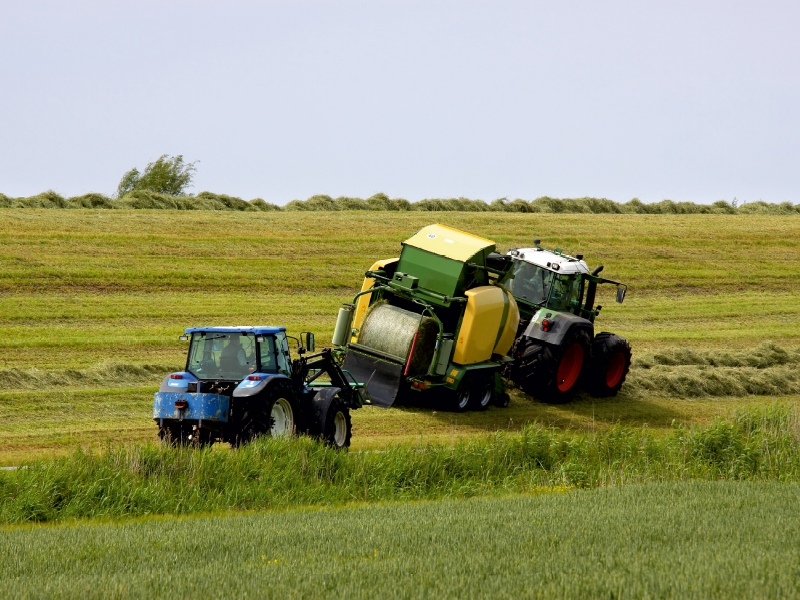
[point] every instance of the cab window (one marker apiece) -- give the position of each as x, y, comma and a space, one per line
282, 353
565, 289
269, 364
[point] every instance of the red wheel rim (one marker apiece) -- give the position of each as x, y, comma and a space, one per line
570, 367
616, 367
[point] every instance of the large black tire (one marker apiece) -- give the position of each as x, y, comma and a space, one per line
611, 361
553, 373
459, 399
337, 429
482, 390
274, 413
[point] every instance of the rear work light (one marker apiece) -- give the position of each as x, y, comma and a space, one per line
253, 378
547, 324
176, 376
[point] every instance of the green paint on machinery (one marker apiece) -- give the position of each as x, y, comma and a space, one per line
439, 316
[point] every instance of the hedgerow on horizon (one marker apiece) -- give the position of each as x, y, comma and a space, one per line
145, 199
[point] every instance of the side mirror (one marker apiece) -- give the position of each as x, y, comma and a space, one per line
184, 338
621, 294
309, 340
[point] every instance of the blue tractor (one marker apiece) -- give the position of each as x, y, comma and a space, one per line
240, 383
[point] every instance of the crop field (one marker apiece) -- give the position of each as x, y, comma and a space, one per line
92, 303
685, 485
696, 540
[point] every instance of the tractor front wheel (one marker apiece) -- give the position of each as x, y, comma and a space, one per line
337, 429
555, 373
611, 361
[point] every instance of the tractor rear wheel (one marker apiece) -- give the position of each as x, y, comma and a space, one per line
554, 372
337, 429
274, 414
611, 361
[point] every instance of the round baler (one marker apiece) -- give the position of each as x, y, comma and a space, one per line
437, 317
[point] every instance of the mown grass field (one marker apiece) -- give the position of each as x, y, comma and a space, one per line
650, 494
92, 302
698, 540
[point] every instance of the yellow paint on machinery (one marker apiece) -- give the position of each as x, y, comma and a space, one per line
362, 304
448, 242
482, 323
509, 327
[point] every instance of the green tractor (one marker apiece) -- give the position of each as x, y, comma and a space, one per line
556, 350
438, 317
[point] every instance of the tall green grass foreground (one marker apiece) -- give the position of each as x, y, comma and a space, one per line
148, 479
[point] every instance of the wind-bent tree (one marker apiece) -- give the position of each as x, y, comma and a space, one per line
167, 175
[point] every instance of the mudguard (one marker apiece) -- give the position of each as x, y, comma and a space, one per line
177, 385
563, 323
248, 388
319, 408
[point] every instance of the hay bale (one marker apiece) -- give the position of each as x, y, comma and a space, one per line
389, 329
426, 346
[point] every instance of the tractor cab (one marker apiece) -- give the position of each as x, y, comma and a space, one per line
556, 281
234, 353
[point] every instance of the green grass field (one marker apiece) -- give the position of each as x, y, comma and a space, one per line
437, 504
88, 298
699, 540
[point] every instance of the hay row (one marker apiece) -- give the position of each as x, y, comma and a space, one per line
144, 199
104, 375
762, 357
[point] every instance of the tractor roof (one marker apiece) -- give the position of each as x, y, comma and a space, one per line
450, 243
258, 330
568, 265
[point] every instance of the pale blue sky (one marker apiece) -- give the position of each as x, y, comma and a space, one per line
694, 101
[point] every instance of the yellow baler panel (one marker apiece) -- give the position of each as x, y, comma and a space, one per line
362, 304
480, 325
510, 327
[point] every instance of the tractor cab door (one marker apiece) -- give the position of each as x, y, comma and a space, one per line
282, 352
274, 354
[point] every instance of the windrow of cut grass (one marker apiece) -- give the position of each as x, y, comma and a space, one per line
145, 199
767, 369
272, 473
127, 375
685, 373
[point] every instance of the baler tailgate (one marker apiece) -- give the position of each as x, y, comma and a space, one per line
382, 376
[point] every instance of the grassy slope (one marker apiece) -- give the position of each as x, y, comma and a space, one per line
81, 288
701, 540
